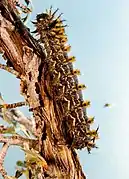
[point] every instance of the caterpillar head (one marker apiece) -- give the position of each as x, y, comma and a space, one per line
91, 145
76, 71
41, 17
70, 59
64, 40
85, 104
81, 87
90, 120
67, 48
42, 21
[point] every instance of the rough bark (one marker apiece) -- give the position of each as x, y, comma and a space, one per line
22, 52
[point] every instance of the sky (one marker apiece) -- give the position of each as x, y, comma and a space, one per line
99, 35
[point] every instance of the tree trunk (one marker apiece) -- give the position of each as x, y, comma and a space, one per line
22, 53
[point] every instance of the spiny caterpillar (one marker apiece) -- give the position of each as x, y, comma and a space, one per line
67, 92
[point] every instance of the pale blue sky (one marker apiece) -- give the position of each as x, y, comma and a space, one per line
99, 35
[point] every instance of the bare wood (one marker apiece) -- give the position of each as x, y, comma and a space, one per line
28, 59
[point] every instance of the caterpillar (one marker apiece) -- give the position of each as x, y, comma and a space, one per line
66, 89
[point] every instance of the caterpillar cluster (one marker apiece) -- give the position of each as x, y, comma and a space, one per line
65, 88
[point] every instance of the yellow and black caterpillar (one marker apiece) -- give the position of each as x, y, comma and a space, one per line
67, 92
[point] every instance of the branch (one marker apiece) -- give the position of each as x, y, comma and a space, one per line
2, 156
16, 116
17, 140
50, 87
